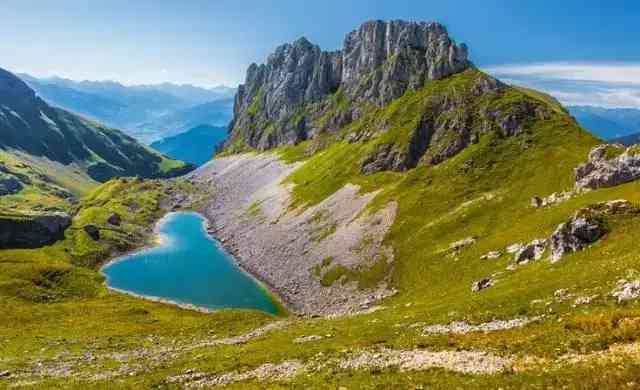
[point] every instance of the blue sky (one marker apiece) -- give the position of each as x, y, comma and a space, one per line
571, 48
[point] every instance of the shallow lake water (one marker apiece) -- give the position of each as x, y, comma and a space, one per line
188, 267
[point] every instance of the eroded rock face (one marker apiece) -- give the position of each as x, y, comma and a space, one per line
378, 63
584, 228
609, 166
32, 231
397, 56
573, 236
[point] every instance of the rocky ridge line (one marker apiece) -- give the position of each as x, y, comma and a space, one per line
377, 64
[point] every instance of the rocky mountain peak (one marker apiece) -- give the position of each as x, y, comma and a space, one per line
379, 62
413, 52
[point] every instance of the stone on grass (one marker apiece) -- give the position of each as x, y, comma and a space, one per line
114, 219
458, 245
491, 255
482, 284
513, 248
627, 290
531, 251
92, 231
574, 235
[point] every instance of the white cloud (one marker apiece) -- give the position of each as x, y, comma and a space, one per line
598, 84
623, 73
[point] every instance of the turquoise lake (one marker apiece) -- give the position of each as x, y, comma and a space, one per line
188, 267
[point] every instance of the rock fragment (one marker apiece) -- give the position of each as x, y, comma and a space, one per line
531, 251
458, 245
482, 284
9, 184
114, 219
627, 290
92, 231
574, 235
491, 255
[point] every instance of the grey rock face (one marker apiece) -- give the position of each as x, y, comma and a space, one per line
397, 56
584, 228
32, 231
599, 172
450, 124
573, 236
378, 63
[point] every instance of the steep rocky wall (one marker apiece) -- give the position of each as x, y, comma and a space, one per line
33, 231
378, 63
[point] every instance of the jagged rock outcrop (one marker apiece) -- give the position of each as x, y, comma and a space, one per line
574, 235
18, 231
379, 62
450, 120
395, 56
608, 166
584, 228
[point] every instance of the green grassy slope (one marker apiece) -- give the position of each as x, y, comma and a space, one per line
47, 185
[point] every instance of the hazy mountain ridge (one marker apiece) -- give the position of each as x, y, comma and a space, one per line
215, 114
196, 145
608, 123
143, 111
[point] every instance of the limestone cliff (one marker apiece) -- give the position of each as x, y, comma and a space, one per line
282, 100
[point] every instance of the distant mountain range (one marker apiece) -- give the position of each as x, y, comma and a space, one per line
196, 146
146, 112
628, 140
608, 123
215, 114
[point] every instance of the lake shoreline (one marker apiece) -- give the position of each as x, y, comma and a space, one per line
159, 239
284, 307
